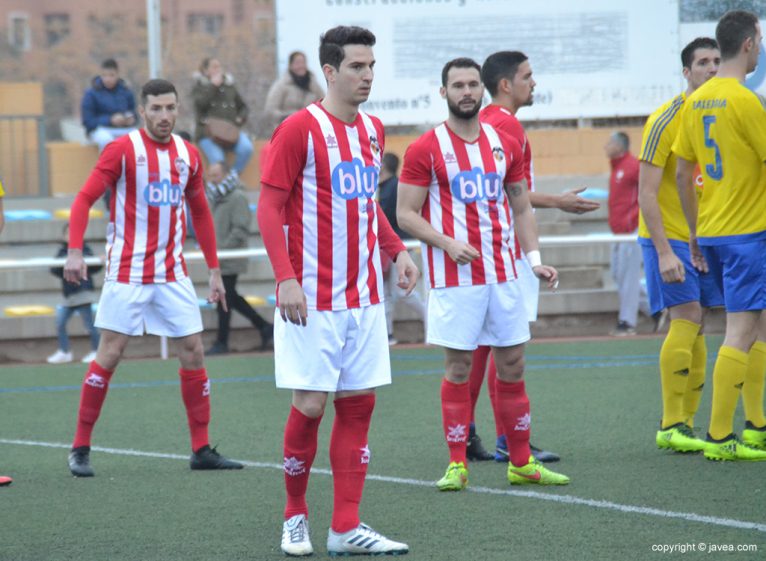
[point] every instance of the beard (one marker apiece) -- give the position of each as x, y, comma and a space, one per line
460, 113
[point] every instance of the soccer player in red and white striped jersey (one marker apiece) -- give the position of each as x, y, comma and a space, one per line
458, 186
319, 181
151, 173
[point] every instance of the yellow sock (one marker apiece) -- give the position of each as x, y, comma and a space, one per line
696, 380
752, 391
728, 379
675, 364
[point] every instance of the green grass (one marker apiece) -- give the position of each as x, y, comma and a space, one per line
596, 403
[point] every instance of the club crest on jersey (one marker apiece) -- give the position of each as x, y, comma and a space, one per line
162, 193
354, 180
498, 153
374, 146
330, 141
475, 185
181, 166
141, 160
449, 158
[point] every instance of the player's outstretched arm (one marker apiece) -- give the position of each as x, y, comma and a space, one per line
649, 179
568, 201
409, 203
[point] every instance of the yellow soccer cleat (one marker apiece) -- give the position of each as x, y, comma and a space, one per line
754, 437
679, 438
535, 473
455, 479
733, 449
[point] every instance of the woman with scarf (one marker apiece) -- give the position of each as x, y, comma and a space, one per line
296, 89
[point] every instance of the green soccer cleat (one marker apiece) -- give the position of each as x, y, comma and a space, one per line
679, 438
535, 473
732, 448
455, 479
754, 437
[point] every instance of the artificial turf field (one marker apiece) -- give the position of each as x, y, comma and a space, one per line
596, 403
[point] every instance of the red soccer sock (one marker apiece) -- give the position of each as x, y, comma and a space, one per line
476, 377
491, 385
349, 458
456, 414
513, 405
195, 390
94, 388
300, 447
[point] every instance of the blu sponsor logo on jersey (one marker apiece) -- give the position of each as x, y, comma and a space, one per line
354, 180
476, 185
161, 193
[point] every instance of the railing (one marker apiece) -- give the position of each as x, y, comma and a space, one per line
23, 156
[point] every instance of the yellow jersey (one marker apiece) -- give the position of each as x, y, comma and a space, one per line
659, 133
723, 128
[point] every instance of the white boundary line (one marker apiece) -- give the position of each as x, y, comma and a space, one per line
564, 499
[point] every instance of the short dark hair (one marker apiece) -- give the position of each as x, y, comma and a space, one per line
332, 41
499, 65
110, 64
295, 54
460, 62
390, 162
733, 29
687, 55
622, 138
158, 86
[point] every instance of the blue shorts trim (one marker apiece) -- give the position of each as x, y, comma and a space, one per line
739, 271
696, 287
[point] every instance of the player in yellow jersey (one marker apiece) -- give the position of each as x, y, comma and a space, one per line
723, 129
672, 282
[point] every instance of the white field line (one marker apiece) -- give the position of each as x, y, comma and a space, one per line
564, 499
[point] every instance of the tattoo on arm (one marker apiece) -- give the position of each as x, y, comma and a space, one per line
515, 189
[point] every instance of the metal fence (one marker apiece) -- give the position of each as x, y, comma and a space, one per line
23, 156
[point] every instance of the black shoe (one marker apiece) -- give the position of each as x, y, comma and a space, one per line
543, 455
79, 462
475, 450
218, 348
267, 336
208, 458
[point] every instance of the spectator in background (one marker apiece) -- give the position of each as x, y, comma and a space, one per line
232, 216
388, 184
108, 107
623, 219
78, 299
296, 89
220, 112
4, 479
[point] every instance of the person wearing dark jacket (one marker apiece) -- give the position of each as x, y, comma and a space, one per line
108, 107
231, 213
216, 97
77, 300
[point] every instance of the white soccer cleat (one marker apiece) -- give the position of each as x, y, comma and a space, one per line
90, 357
60, 357
363, 540
295, 536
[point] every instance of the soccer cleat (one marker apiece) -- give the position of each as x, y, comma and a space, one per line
5, 480
754, 437
60, 357
295, 536
363, 540
475, 450
623, 329
732, 448
79, 462
535, 473
679, 438
455, 479
545, 456
208, 458
218, 348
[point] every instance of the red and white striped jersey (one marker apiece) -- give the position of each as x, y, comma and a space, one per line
147, 225
331, 169
466, 201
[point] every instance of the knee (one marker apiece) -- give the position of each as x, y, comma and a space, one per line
110, 353
312, 404
458, 370
192, 354
511, 367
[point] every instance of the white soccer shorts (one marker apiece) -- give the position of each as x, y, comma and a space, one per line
465, 317
169, 309
336, 351
530, 287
